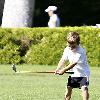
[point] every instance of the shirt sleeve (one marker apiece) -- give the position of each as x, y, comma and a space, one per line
65, 56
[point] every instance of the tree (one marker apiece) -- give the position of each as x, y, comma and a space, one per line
1, 9
18, 13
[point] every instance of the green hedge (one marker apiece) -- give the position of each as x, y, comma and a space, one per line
44, 45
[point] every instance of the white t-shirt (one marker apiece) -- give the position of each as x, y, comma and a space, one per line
81, 69
54, 21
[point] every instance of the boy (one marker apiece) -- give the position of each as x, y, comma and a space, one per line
78, 64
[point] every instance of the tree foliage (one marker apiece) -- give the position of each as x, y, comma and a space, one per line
71, 12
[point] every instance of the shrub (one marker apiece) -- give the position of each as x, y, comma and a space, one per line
44, 45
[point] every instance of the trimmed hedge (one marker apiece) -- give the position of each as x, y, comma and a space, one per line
44, 45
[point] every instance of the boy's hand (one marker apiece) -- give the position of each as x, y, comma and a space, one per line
56, 71
61, 72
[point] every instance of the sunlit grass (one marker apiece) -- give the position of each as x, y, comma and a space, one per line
29, 86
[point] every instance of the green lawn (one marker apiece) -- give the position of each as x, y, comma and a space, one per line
32, 86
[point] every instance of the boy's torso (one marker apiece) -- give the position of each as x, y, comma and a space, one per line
81, 69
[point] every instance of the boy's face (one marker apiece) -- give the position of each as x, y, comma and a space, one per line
72, 45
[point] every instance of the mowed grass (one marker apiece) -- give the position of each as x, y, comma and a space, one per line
36, 86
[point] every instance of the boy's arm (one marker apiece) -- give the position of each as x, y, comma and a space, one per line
60, 65
71, 65
62, 61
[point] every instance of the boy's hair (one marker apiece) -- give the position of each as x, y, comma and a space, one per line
73, 37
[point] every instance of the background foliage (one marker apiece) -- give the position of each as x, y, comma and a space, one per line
45, 46
71, 12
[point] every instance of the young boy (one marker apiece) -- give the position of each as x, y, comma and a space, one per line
78, 64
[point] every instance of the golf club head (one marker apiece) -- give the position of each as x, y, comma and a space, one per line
14, 67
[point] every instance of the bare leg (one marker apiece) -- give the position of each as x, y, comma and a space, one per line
68, 93
85, 93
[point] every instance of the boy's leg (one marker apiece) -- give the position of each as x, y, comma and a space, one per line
68, 93
85, 93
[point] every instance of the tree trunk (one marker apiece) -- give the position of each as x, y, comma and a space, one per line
18, 13
1, 9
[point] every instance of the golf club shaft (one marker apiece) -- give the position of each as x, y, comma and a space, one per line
52, 72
